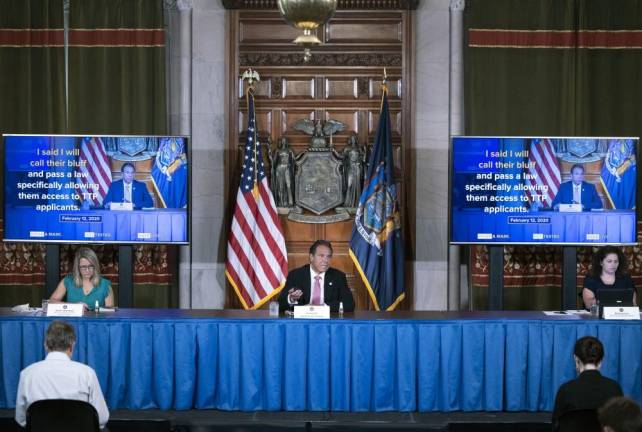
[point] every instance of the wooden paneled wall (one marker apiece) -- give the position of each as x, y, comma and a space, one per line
342, 81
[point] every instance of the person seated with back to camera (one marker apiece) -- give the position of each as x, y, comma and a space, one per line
590, 389
59, 377
620, 414
317, 283
128, 190
84, 284
577, 191
608, 272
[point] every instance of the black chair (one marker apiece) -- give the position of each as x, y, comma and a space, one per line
582, 420
62, 415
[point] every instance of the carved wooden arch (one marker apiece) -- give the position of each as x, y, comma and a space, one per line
342, 82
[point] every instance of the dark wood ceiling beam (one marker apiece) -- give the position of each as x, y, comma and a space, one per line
342, 4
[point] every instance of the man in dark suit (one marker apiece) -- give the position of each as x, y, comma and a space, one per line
317, 282
589, 390
128, 190
577, 191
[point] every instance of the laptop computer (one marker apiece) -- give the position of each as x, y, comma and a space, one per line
615, 297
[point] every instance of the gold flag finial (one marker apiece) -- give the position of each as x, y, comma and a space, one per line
384, 85
252, 77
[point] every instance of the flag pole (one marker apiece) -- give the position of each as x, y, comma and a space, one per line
384, 86
376, 244
256, 264
253, 77
384, 90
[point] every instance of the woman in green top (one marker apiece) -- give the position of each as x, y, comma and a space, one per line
84, 284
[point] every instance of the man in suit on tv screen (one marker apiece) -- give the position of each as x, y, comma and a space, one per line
128, 190
317, 282
577, 191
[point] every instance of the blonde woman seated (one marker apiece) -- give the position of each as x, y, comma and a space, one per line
84, 284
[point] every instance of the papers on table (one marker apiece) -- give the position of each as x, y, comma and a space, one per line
570, 312
23, 308
618, 312
578, 312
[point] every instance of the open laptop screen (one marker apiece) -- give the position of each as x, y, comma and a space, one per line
615, 297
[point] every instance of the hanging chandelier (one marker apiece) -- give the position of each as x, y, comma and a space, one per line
307, 15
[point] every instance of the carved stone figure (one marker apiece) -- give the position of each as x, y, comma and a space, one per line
319, 179
318, 138
353, 164
152, 145
282, 160
111, 144
560, 146
319, 131
319, 183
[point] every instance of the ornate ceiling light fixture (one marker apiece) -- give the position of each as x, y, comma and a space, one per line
307, 15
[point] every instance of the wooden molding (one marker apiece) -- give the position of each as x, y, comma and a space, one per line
342, 4
319, 59
276, 87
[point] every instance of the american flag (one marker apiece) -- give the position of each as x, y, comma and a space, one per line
94, 169
257, 260
543, 171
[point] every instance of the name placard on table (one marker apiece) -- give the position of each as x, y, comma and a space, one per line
312, 312
65, 309
621, 313
570, 208
121, 206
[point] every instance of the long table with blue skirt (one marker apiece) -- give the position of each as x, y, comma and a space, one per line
366, 361
607, 226
157, 225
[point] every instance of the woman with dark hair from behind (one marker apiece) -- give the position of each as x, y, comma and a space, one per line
620, 414
608, 272
590, 389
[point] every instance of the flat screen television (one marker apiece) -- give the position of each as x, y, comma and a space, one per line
96, 189
543, 190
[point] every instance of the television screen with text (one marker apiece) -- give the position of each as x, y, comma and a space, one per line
543, 190
98, 189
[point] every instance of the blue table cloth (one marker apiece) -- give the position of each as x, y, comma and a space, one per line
158, 225
608, 226
370, 362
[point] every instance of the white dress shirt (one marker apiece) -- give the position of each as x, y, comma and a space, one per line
577, 193
58, 377
321, 282
127, 193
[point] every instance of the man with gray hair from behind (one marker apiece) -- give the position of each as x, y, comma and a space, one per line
59, 377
